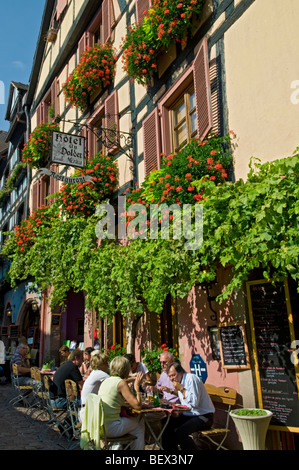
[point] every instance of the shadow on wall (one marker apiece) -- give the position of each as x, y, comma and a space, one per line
195, 317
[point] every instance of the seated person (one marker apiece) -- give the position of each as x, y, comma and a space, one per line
99, 366
114, 393
192, 393
164, 384
137, 367
68, 370
85, 368
20, 358
64, 353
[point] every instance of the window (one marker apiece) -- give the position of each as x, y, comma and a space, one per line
44, 187
99, 134
99, 30
185, 111
106, 118
184, 122
49, 106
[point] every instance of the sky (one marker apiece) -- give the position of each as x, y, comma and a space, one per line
20, 22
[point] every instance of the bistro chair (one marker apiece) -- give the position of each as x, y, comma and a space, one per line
39, 403
56, 415
22, 390
93, 434
35, 405
73, 400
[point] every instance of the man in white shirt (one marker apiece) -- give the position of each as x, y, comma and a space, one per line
192, 393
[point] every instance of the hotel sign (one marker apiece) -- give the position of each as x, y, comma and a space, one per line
68, 149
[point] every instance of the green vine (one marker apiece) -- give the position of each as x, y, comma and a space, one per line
246, 225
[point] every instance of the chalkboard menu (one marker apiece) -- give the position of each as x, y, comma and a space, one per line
233, 346
56, 318
272, 331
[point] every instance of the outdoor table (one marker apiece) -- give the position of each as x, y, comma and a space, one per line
48, 372
149, 409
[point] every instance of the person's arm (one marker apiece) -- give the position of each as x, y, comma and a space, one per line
189, 393
23, 370
124, 389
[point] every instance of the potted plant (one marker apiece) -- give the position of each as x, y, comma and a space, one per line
37, 148
166, 23
94, 72
252, 425
51, 34
48, 363
151, 358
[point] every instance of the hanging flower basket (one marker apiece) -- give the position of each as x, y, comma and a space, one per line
37, 148
166, 21
82, 199
95, 71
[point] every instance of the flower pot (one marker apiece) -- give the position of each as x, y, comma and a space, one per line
252, 428
51, 35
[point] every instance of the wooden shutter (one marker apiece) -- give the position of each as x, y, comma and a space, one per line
85, 42
54, 183
84, 133
214, 80
90, 141
112, 121
54, 97
61, 4
202, 91
152, 142
44, 112
39, 114
36, 195
142, 7
106, 20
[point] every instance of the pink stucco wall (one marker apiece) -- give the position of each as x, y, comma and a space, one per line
193, 321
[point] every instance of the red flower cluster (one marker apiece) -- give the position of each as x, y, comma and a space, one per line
82, 199
37, 148
166, 21
96, 69
172, 184
26, 233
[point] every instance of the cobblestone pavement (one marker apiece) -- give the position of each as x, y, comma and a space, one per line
19, 433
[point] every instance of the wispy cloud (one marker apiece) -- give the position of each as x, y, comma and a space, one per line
18, 64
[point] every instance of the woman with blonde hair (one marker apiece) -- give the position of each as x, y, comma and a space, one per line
99, 367
114, 392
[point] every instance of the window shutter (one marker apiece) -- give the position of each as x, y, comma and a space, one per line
202, 91
84, 43
84, 133
151, 140
35, 195
165, 130
54, 184
106, 20
54, 97
44, 112
39, 114
142, 7
90, 138
61, 4
111, 121
214, 80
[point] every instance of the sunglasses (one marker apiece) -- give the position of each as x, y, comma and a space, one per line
164, 362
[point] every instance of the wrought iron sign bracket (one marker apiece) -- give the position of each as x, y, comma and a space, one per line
111, 139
